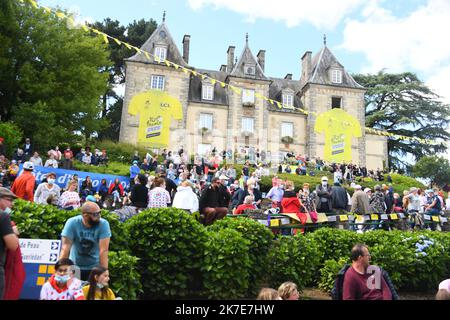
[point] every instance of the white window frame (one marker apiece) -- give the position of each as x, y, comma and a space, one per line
207, 92
287, 129
157, 82
248, 124
288, 100
248, 96
206, 121
161, 52
336, 76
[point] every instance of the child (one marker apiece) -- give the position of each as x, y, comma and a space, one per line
98, 285
62, 285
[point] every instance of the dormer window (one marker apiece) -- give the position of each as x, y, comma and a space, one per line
207, 91
249, 69
288, 100
161, 53
336, 76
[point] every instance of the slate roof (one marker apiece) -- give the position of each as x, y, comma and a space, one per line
247, 57
320, 65
160, 35
276, 90
195, 88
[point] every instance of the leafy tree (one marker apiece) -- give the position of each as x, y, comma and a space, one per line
136, 33
12, 136
435, 168
402, 104
51, 76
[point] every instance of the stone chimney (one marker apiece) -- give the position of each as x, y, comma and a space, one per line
230, 59
306, 67
186, 42
262, 59
288, 76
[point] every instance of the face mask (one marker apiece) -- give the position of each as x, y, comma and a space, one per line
324, 183
62, 279
51, 181
101, 285
7, 211
282, 187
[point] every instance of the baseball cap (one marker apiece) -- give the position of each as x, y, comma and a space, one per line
4, 192
324, 178
91, 198
367, 190
357, 186
135, 162
28, 165
223, 177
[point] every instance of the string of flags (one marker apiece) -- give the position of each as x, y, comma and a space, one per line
151, 57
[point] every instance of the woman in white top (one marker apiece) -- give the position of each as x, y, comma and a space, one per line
70, 199
51, 162
46, 189
185, 198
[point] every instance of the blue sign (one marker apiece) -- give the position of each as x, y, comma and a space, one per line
63, 176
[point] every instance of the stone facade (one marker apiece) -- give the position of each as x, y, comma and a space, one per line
324, 82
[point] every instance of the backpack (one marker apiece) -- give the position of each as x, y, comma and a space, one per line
336, 292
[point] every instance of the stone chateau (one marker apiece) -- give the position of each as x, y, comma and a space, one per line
222, 118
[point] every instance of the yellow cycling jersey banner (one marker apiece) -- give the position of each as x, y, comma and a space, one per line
156, 110
339, 128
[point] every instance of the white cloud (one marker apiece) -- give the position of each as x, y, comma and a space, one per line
415, 43
320, 13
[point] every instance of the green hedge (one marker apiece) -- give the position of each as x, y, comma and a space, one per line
125, 280
120, 151
226, 265
260, 238
171, 245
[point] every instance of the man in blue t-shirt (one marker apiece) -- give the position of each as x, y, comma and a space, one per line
433, 203
86, 238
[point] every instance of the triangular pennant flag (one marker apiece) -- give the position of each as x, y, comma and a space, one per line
127, 45
271, 101
85, 28
279, 104
222, 84
176, 66
47, 9
105, 38
147, 55
167, 63
60, 15
185, 70
137, 50
117, 41
213, 81
157, 59
33, 3
194, 73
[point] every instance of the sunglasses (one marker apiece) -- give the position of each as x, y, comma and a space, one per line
95, 214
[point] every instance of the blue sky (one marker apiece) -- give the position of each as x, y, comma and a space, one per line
365, 35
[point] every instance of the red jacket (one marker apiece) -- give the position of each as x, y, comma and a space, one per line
290, 205
14, 275
111, 188
240, 209
23, 186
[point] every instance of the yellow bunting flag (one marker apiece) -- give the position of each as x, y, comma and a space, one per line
33, 3
394, 216
343, 217
374, 217
279, 104
118, 41
271, 101
127, 45
137, 50
85, 28
222, 84
176, 66
157, 59
105, 38
47, 9
147, 55
194, 73
60, 15
185, 70
435, 218
167, 63
213, 81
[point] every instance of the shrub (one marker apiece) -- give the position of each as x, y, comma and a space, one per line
260, 238
12, 136
170, 244
292, 259
113, 168
120, 151
226, 265
125, 280
329, 273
